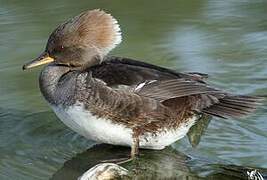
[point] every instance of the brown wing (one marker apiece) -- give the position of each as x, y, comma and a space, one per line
120, 105
187, 87
128, 108
199, 97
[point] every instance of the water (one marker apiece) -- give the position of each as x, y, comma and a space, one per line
226, 39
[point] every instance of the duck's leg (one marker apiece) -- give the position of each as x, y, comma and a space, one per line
135, 147
134, 150
134, 153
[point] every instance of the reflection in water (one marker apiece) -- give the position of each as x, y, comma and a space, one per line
195, 132
226, 39
165, 164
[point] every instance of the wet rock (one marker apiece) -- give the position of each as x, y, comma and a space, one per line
105, 171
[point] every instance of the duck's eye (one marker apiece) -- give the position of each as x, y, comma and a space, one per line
58, 49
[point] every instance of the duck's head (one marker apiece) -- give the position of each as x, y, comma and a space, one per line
80, 42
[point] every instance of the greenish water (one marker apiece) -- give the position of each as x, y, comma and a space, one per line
226, 39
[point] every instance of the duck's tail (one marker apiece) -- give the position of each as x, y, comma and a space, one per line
234, 106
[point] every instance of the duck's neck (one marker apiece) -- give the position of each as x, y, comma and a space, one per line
57, 84
60, 86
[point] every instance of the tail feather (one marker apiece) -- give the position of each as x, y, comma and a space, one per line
234, 106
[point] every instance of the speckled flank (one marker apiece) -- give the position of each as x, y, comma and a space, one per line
167, 136
103, 130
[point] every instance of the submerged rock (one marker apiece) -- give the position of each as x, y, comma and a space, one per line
105, 171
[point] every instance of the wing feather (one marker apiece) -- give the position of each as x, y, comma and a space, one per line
201, 97
174, 88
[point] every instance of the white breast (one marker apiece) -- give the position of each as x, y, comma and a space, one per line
103, 130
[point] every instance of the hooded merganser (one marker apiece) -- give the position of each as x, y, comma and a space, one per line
122, 101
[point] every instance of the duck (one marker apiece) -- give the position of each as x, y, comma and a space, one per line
123, 101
